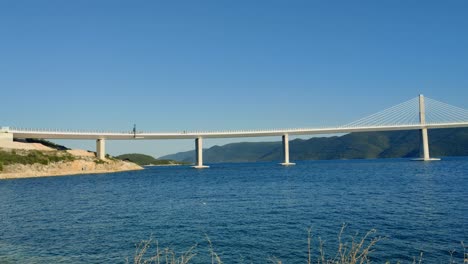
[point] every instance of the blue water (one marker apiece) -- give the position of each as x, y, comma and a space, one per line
251, 212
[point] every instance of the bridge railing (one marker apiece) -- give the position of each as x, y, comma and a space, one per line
247, 131
405, 114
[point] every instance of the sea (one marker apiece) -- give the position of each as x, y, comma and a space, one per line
241, 213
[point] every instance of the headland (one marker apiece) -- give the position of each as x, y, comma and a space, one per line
26, 160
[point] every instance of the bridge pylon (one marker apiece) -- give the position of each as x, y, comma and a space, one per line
424, 136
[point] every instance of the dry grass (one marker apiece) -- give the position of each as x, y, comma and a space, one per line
349, 252
354, 250
214, 257
165, 256
143, 254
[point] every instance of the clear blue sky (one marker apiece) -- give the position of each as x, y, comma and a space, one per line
204, 65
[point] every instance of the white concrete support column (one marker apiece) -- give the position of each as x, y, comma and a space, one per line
425, 142
286, 151
425, 138
101, 149
199, 153
422, 121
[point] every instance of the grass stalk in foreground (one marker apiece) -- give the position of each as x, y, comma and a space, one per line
355, 250
165, 256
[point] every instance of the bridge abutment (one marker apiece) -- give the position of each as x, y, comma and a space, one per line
101, 149
5, 136
286, 151
199, 154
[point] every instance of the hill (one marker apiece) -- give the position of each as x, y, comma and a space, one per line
368, 145
39, 158
144, 160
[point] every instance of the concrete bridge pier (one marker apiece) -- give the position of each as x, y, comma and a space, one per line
425, 143
424, 136
286, 151
101, 148
199, 154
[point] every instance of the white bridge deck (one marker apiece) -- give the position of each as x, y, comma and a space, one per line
50, 134
416, 114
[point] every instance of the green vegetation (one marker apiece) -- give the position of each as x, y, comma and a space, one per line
109, 157
365, 145
32, 157
98, 161
144, 160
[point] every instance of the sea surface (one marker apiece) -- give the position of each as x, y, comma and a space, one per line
251, 212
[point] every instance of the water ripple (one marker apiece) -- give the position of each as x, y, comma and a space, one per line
251, 212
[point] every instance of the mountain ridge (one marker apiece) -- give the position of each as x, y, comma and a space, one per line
359, 145
145, 160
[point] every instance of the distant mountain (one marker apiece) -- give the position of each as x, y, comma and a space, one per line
366, 145
143, 160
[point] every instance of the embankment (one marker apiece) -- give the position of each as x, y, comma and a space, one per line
26, 163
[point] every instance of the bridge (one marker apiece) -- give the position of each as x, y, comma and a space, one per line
419, 113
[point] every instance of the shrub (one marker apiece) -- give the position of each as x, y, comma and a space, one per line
98, 161
34, 156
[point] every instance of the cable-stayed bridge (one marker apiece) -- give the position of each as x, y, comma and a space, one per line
419, 113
